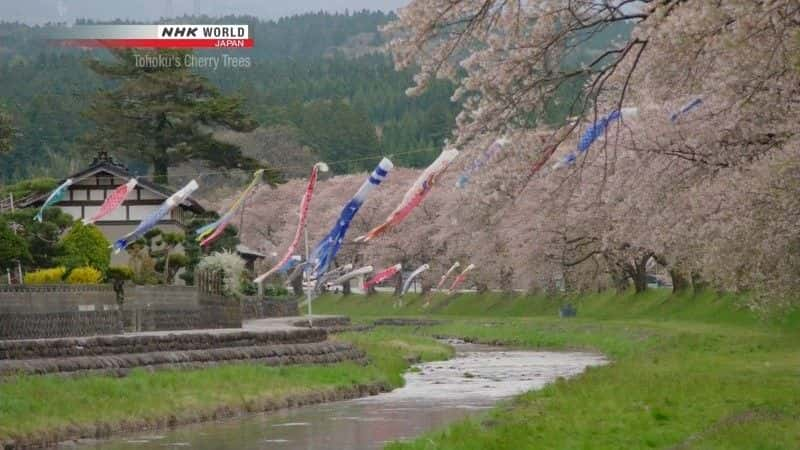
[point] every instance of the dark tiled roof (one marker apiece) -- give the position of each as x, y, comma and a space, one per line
103, 163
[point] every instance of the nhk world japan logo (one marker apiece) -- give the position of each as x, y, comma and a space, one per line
156, 36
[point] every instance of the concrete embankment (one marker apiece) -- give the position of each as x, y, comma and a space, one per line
268, 342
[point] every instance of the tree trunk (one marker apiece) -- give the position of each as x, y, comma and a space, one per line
639, 273
680, 282
346, 288
640, 281
697, 282
161, 170
620, 284
398, 284
427, 286
166, 267
618, 279
297, 285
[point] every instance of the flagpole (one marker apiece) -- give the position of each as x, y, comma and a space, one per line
308, 279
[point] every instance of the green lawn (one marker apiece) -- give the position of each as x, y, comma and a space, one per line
38, 404
691, 371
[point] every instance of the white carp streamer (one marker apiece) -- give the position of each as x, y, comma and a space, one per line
350, 275
413, 275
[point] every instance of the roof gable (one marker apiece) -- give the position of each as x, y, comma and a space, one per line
104, 164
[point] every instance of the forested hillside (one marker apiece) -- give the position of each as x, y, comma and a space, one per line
321, 74
321, 83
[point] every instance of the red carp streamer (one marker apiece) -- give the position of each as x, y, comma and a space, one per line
461, 277
312, 182
383, 276
113, 201
419, 190
446, 275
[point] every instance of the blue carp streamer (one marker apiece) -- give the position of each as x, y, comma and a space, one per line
326, 250
686, 109
593, 133
493, 149
152, 220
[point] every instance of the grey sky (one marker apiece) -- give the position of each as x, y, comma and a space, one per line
40, 11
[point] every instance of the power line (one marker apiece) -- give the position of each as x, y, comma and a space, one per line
280, 168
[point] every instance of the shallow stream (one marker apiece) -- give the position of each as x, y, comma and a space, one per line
435, 395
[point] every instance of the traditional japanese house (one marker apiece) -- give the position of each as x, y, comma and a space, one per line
90, 188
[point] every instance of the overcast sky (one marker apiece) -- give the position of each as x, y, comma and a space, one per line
40, 11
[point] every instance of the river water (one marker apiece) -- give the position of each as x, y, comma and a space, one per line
436, 395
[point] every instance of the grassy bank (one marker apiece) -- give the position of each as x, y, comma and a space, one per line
40, 405
692, 371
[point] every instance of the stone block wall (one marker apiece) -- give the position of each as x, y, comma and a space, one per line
57, 310
154, 308
218, 311
259, 308
48, 311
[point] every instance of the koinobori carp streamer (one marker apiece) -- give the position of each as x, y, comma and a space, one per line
301, 223
419, 190
479, 162
208, 233
414, 274
455, 266
113, 201
326, 250
383, 276
56, 196
152, 220
355, 273
461, 277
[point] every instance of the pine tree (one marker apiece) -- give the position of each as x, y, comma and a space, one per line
6, 131
164, 113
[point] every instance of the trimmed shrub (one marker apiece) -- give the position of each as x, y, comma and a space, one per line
231, 265
84, 275
119, 273
46, 276
273, 290
12, 247
85, 245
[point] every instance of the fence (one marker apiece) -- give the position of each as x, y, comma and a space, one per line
44, 311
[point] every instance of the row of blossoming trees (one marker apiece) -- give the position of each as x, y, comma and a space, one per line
712, 196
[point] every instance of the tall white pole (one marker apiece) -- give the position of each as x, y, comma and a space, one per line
308, 280
19, 263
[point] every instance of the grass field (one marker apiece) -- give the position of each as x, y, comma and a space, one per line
691, 371
38, 404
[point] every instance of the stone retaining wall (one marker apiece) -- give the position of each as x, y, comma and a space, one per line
144, 343
116, 355
325, 322
258, 308
57, 310
402, 322
48, 311
120, 364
